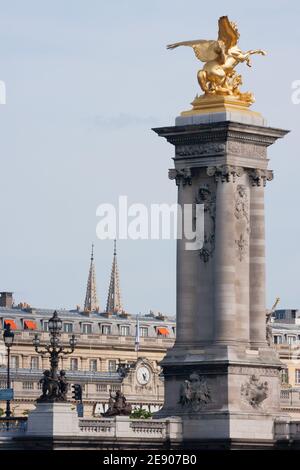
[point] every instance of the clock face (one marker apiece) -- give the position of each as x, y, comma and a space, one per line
143, 375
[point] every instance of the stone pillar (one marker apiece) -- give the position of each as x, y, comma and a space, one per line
186, 272
225, 298
221, 376
257, 257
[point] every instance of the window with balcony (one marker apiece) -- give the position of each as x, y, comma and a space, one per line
112, 366
115, 388
68, 327
74, 363
106, 329
101, 388
124, 330
28, 385
34, 363
93, 365
291, 340
143, 331
277, 339
86, 328
297, 376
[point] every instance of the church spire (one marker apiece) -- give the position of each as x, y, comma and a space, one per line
91, 301
114, 295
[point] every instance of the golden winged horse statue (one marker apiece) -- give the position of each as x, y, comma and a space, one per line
218, 76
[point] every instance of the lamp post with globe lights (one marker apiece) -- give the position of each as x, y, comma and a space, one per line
54, 385
8, 338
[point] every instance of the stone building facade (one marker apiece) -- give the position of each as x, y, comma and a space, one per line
105, 356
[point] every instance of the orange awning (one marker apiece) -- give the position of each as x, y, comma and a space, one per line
30, 325
163, 331
12, 324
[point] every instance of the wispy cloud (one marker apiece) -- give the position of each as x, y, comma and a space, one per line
122, 120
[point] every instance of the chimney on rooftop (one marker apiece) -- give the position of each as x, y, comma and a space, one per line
6, 299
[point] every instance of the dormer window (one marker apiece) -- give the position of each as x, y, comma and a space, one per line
86, 328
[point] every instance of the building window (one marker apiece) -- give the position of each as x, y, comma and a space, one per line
74, 364
124, 330
106, 329
277, 339
284, 376
28, 385
34, 363
14, 362
112, 366
101, 388
68, 327
93, 365
3, 384
297, 376
291, 340
86, 328
45, 326
143, 331
114, 388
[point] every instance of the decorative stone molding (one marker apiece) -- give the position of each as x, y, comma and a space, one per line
245, 370
211, 148
206, 197
260, 177
241, 245
194, 393
245, 150
254, 391
225, 172
183, 176
241, 210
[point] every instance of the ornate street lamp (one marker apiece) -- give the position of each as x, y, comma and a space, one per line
8, 338
54, 385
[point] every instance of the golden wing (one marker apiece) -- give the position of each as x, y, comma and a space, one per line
228, 32
204, 50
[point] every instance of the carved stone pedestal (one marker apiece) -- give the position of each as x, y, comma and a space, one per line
221, 376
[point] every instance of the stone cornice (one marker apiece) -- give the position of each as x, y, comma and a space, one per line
220, 132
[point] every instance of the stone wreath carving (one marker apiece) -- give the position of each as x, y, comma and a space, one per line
194, 393
206, 197
254, 391
183, 176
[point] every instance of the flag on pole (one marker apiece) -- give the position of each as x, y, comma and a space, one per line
137, 334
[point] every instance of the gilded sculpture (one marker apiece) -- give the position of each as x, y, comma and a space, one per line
218, 76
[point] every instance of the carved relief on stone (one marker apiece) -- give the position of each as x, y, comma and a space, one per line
225, 172
241, 212
246, 150
241, 370
183, 176
254, 391
199, 149
194, 393
206, 197
241, 246
260, 177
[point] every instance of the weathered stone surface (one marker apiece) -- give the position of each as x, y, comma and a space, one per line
221, 376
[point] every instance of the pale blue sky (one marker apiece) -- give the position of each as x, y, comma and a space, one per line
86, 80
